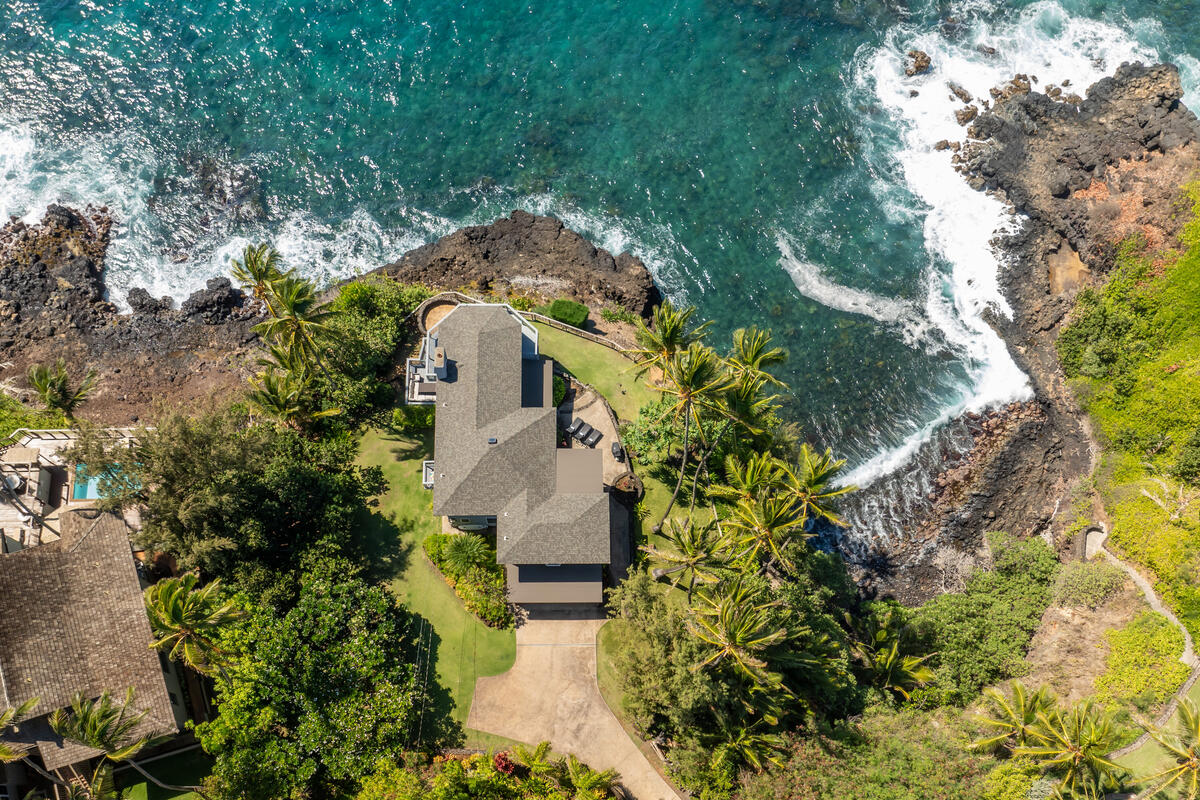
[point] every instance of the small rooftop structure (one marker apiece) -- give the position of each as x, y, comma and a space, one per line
72, 620
496, 459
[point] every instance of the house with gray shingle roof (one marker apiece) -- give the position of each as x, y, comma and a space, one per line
496, 460
72, 619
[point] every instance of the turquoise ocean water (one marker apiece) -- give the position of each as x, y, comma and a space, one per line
768, 160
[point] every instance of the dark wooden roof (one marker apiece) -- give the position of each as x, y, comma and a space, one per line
72, 620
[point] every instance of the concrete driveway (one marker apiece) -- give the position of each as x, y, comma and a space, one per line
551, 694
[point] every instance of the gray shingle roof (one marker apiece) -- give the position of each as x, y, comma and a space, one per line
515, 476
72, 620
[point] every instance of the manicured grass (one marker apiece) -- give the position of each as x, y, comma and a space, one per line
184, 769
1150, 758
613, 374
464, 647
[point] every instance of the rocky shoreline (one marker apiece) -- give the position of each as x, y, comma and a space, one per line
1085, 173
53, 303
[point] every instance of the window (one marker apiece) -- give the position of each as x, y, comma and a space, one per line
174, 699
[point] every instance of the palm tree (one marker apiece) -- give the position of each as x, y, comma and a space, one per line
297, 322
768, 524
187, 622
285, 398
257, 272
53, 386
1074, 743
737, 628
742, 404
753, 354
746, 744
669, 333
585, 781
695, 552
464, 551
536, 760
879, 639
1013, 717
10, 752
692, 378
108, 726
1183, 744
748, 480
809, 482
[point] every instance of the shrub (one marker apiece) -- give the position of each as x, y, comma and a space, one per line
981, 634
568, 312
1143, 664
468, 565
1011, 780
522, 302
1187, 464
412, 419
560, 390
618, 315
1087, 584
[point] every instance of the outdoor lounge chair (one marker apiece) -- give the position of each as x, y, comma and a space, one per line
574, 426
593, 438
618, 452
583, 432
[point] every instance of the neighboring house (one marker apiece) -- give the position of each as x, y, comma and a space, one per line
72, 619
496, 462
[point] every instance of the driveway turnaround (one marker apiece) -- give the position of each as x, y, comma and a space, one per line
551, 694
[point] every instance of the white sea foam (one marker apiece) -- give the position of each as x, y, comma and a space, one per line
959, 223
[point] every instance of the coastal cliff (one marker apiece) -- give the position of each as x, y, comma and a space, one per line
53, 303
1085, 173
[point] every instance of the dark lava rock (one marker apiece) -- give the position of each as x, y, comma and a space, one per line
918, 63
531, 253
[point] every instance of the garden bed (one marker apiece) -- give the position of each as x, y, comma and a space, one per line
472, 572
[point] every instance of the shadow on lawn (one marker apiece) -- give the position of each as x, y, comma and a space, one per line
386, 542
410, 445
434, 727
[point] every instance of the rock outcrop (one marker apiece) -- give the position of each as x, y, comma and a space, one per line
532, 254
52, 304
1086, 174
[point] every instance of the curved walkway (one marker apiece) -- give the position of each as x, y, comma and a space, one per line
551, 694
1189, 653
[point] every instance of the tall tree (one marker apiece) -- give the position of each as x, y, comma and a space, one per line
298, 322
754, 354
693, 552
737, 627
692, 378
670, 331
257, 272
767, 525
1074, 744
53, 386
10, 752
109, 726
881, 639
750, 479
1182, 743
1011, 719
187, 621
810, 482
745, 408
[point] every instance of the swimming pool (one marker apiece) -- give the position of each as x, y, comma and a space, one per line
86, 488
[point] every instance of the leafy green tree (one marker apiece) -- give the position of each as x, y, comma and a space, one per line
694, 552
1012, 719
1181, 742
257, 271
317, 696
53, 386
244, 503
1073, 744
110, 726
187, 621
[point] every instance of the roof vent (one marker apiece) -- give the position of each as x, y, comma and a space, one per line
492, 440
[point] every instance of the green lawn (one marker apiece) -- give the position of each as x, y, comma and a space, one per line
464, 647
610, 372
1150, 758
184, 769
